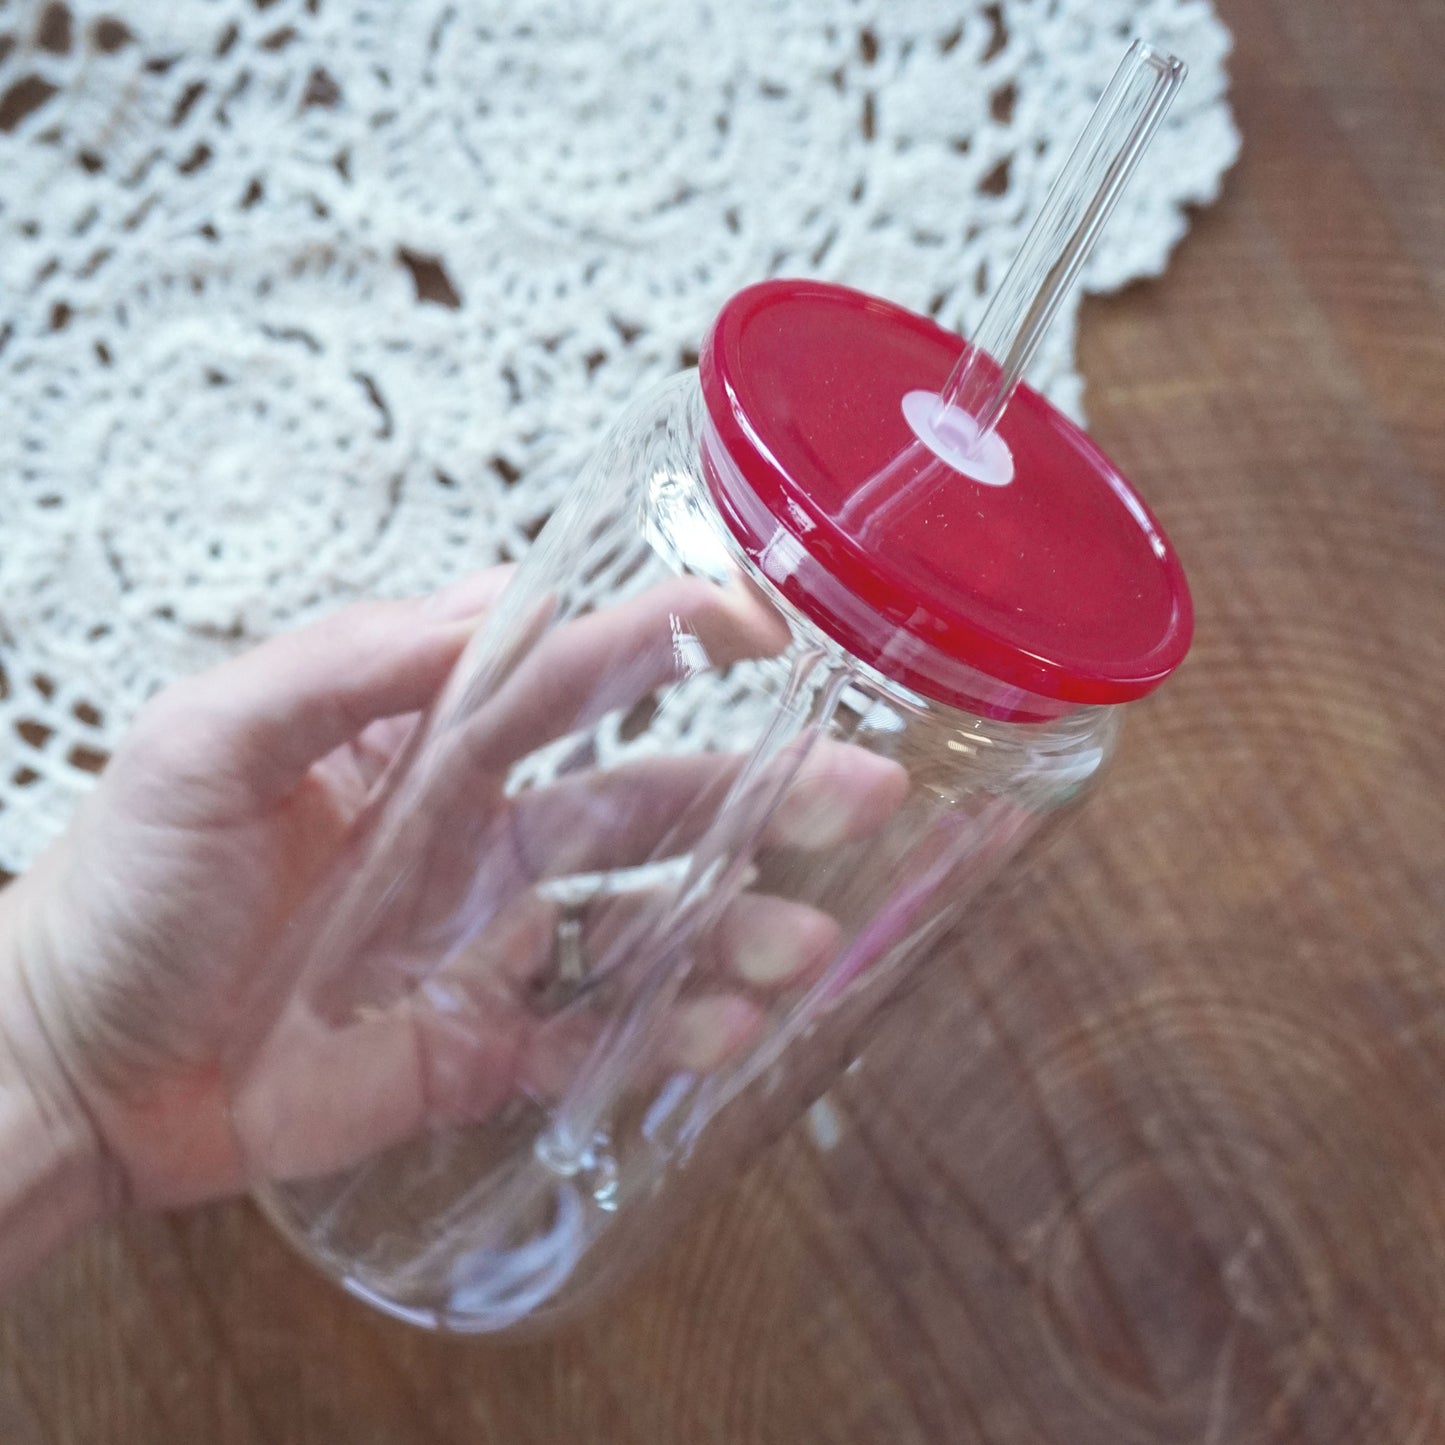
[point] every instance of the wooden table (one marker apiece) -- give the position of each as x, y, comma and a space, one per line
1160, 1154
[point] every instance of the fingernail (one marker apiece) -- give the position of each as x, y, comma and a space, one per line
768, 959
464, 628
470, 598
853, 794
774, 941
707, 1030
815, 818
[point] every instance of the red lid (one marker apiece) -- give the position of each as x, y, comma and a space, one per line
1059, 584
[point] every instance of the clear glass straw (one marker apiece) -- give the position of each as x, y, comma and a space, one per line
1082, 198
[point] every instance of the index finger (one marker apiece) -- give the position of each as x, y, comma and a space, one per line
607, 660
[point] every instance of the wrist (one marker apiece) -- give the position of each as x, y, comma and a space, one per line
52, 1169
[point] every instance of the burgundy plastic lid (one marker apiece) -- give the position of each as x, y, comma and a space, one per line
1060, 583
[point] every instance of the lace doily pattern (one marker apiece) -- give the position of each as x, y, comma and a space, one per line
302, 300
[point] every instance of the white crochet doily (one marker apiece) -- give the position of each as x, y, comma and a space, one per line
302, 299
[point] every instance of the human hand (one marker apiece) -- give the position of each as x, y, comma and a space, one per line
124, 950
133, 945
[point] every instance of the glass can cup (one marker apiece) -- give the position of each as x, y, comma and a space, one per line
692, 806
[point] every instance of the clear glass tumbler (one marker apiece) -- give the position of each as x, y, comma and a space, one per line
778, 689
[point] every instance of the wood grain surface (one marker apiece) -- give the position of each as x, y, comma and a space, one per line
1158, 1154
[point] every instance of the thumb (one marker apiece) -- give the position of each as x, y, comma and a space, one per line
266, 716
